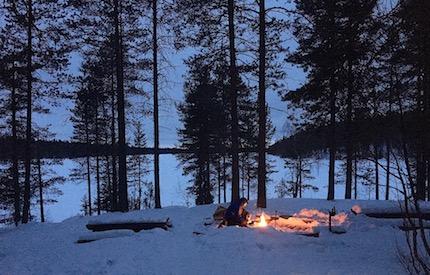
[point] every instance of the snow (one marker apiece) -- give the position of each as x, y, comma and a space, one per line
370, 246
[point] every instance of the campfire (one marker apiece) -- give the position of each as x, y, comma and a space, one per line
262, 221
305, 222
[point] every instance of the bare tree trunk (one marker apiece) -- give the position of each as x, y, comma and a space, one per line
224, 178
300, 177
387, 177
208, 179
98, 184
355, 176
97, 159
296, 183
349, 145
139, 174
156, 127
331, 179
261, 190
39, 171
89, 185
242, 180
28, 138
428, 179
108, 179
376, 173
233, 98
15, 172
219, 181
114, 191
390, 107
122, 158
87, 139
248, 181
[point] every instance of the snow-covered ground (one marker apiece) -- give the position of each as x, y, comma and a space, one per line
370, 246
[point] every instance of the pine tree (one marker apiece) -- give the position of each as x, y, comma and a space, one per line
334, 50
142, 191
199, 115
119, 23
39, 37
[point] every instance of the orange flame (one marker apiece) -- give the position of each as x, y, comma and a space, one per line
262, 222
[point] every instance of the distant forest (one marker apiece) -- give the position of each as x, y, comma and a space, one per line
365, 101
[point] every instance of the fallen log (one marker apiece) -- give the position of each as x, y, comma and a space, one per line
314, 235
135, 226
399, 215
95, 236
410, 228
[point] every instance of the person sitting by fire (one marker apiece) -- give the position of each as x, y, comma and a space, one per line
236, 213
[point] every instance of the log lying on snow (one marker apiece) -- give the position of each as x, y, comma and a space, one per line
398, 215
95, 236
135, 226
410, 228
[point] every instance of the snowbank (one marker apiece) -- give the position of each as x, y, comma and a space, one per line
370, 246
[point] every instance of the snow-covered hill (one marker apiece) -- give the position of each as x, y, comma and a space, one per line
370, 246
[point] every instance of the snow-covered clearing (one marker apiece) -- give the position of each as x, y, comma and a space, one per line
370, 246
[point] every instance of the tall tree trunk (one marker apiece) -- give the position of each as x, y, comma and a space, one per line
248, 182
114, 190
208, 181
219, 180
139, 182
242, 180
97, 158
15, 172
387, 177
261, 190
332, 141
39, 171
233, 104
355, 176
87, 139
428, 179
122, 156
349, 145
28, 137
376, 173
224, 178
98, 184
421, 141
156, 127
388, 145
109, 184
90, 212
300, 177
88, 168
296, 182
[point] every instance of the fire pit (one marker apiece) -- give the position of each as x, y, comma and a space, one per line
306, 222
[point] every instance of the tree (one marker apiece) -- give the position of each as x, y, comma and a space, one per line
199, 115
119, 23
39, 32
142, 191
300, 172
334, 50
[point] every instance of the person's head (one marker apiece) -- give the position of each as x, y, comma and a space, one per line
243, 202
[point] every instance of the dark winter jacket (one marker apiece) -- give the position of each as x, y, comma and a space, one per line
232, 215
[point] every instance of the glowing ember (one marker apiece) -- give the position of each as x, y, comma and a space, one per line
262, 222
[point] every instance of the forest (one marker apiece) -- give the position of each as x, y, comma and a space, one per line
363, 105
